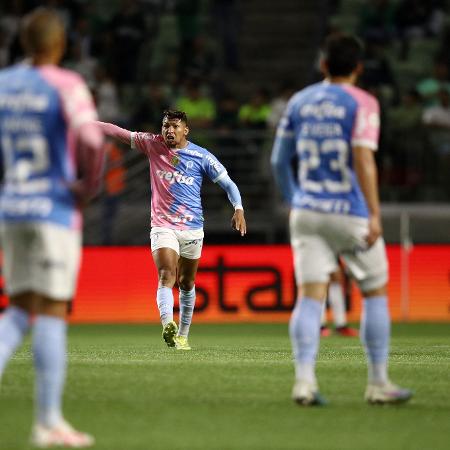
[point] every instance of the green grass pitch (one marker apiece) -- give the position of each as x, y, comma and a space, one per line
232, 392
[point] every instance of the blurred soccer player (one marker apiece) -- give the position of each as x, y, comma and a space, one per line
333, 128
177, 168
46, 137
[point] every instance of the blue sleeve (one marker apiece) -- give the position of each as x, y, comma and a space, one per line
228, 185
212, 167
283, 153
281, 161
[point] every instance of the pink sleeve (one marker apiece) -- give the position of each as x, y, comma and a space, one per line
366, 129
146, 142
77, 102
79, 110
85, 140
116, 132
90, 158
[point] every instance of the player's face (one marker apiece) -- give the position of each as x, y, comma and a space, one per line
174, 132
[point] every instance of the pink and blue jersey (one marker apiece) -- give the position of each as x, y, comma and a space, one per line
320, 126
176, 177
46, 137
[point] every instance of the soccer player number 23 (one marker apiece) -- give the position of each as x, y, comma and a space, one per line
313, 157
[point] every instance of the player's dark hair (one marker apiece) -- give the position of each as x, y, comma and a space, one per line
342, 53
171, 114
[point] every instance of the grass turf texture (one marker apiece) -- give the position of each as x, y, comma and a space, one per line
233, 391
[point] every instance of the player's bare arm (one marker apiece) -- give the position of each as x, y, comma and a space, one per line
116, 132
366, 171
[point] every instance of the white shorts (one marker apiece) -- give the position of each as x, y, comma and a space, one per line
318, 239
42, 258
187, 243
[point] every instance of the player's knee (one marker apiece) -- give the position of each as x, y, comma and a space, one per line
374, 285
54, 308
167, 276
185, 283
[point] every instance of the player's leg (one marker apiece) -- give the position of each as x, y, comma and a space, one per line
313, 260
166, 261
56, 253
371, 270
165, 252
337, 304
324, 328
187, 269
304, 331
50, 361
191, 243
15, 322
46, 260
14, 325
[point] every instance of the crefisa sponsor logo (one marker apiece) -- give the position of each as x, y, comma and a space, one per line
175, 177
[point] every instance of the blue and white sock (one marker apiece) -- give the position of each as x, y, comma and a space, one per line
375, 332
14, 325
304, 330
164, 299
50, 360
187, 303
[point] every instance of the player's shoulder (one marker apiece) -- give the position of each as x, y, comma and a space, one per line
63, 79
14, 72
361, 96
304, 93
195, 150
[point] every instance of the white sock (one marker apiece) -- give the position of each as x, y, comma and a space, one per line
187, 303
304, 330
378, 373
337, 303
164, 299
375, 332
306, 372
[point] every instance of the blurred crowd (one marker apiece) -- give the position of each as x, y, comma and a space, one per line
135, 71
141, 57
413, 88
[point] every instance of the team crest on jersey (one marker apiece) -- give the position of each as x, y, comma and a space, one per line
190, 165
175, 160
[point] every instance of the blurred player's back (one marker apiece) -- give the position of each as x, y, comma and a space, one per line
46, 139
40, 109
327, 120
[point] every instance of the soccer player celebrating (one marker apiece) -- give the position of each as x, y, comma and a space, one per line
46, 137
177, 168
333, 129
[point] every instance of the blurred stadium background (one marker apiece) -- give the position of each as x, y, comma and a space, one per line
231, 65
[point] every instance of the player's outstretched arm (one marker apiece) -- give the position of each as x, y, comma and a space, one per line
366, 172
121, 134
238, 220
